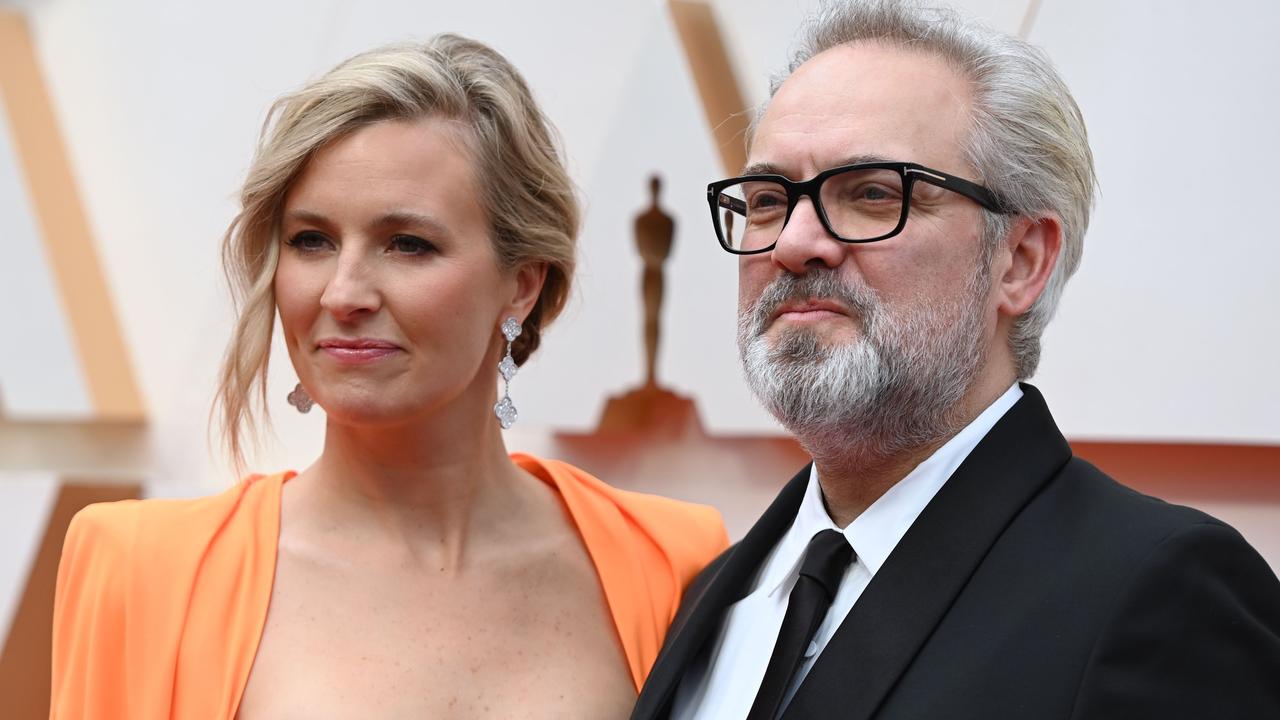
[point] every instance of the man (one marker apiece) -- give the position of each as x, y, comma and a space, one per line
917, 193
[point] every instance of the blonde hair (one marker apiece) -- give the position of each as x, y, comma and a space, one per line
525, 189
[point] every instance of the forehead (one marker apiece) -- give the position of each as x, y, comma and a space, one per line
411, 162
866, 100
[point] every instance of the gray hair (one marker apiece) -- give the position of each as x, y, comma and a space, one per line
1027, 140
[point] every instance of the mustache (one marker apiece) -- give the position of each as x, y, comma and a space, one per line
815, 284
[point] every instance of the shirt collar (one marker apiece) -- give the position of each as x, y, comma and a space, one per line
876, 532
811, 519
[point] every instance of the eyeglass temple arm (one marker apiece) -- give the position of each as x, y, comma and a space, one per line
973, 191
732, 203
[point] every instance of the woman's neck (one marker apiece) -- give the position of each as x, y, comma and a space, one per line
436, 488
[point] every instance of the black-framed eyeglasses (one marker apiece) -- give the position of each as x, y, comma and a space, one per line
859, 203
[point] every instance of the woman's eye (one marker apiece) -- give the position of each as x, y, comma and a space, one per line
410, 245
309, 241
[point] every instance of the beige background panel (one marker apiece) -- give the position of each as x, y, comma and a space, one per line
722, 101
25, 502
110, 451
1029, 19
40, 373
64, 226
657, 126
1169, 331
740, 476
147, 181
161, 146
27, 652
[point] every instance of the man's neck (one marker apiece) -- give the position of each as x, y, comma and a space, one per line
851, 485
853, 477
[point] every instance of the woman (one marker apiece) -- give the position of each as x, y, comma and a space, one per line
409, 219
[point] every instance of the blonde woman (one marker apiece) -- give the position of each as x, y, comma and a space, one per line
409, 219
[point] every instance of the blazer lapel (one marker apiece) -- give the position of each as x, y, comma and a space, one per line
722, 584
918, 582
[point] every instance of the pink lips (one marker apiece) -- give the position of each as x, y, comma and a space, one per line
357, 351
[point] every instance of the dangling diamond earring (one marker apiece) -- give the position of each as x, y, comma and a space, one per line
300, 399
504, 408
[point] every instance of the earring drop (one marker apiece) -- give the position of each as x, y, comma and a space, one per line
504, 408
300, 399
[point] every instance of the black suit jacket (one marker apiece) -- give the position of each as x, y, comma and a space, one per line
1031, 586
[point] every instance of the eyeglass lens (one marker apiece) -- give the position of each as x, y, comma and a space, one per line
859, 204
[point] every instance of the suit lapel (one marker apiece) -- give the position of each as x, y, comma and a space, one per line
723, 583
919, 581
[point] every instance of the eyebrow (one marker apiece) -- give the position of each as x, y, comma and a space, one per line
766, 168
395, 218
408, 217
309, 217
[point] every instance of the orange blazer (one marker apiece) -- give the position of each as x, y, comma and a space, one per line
161, 603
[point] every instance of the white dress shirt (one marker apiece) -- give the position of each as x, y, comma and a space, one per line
724, 686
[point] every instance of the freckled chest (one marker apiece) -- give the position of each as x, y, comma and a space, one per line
526, 637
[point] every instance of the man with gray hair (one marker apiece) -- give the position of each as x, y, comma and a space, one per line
917, 193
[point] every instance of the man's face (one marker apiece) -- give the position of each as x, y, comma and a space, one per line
909, 310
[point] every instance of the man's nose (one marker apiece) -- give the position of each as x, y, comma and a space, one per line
804, 242
353, 288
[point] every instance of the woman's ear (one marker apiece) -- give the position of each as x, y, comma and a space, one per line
1034, 244
529, 279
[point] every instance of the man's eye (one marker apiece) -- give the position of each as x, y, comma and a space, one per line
308, 241
410, 245
766, 201
874, 193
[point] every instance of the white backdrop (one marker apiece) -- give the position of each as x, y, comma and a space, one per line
1168, 332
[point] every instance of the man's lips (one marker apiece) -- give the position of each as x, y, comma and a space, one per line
357, 350
809, 310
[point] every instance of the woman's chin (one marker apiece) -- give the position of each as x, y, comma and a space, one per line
372, 412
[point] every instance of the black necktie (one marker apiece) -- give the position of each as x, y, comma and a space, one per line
825, 560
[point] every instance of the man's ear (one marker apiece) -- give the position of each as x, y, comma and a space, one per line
529, 279
1034, 244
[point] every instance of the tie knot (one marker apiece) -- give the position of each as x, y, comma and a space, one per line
826, 558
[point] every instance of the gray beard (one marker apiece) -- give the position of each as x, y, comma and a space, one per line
895, 389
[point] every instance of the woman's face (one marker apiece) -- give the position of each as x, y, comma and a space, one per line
388, 288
